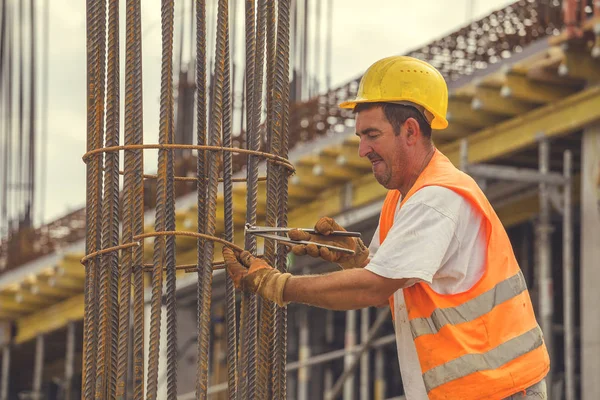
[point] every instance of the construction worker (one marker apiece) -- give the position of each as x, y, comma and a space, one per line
465, 326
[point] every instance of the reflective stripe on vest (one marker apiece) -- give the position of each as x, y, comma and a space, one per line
468, 311
495, 358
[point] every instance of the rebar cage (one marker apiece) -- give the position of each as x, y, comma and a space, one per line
114, 260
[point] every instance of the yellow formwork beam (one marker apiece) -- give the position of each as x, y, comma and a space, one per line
579, 64
50, 319
519, 86
347, 155
332, 167
461, 111
488, 99
559, 118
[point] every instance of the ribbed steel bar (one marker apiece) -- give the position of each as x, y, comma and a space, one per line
159, 259
93, 204
271, 29
201, 169
110, 217
138, 204
214, 139
281, 111
247, 374
103, 342
167, 113
265, 339
230, 314
129, 188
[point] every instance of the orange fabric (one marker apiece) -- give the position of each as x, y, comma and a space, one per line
504, 322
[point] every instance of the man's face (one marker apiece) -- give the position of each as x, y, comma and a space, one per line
379, 143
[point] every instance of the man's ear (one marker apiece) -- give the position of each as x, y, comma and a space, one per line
413, 130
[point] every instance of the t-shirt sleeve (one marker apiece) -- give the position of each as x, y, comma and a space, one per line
416, 244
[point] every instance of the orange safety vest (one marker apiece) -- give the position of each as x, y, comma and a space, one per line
484, 343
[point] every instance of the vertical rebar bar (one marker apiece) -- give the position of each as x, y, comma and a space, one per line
265, 339
138, 203
110, 216
167, 115
201, 176
93, 202
162, 194
568, 272
69, 361
247, 365
129, 189
102, 288
230, 314
281, 102
544, 259
214, 140
5, 380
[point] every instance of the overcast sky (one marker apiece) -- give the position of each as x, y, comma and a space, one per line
361, 35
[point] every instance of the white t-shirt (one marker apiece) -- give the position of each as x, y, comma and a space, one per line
437, 237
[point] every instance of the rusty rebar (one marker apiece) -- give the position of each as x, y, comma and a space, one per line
160, 256
103, 341
131, 217
200, 167
93, 202
281, 122
167, 112
205, 275
265, 349
110, 235
134, 6
247, 366
230, 315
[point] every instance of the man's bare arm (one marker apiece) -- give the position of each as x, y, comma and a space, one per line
341, 290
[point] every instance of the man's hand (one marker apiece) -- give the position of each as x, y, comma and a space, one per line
259, 277
324, 227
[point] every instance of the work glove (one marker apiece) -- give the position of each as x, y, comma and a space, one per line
324, 227
255, 275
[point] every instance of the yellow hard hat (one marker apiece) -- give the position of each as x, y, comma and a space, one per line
402, 79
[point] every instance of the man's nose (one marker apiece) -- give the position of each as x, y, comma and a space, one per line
363, 148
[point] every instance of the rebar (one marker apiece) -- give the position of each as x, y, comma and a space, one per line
281, 122
110, 216
265, 339
248, 315
215, 135
230, 317
113, 360
167, 111
93, 203
130, 187
102, 288
201, 174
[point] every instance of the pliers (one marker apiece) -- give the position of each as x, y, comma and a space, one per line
263, 231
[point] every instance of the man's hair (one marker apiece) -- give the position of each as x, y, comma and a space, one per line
397, 114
